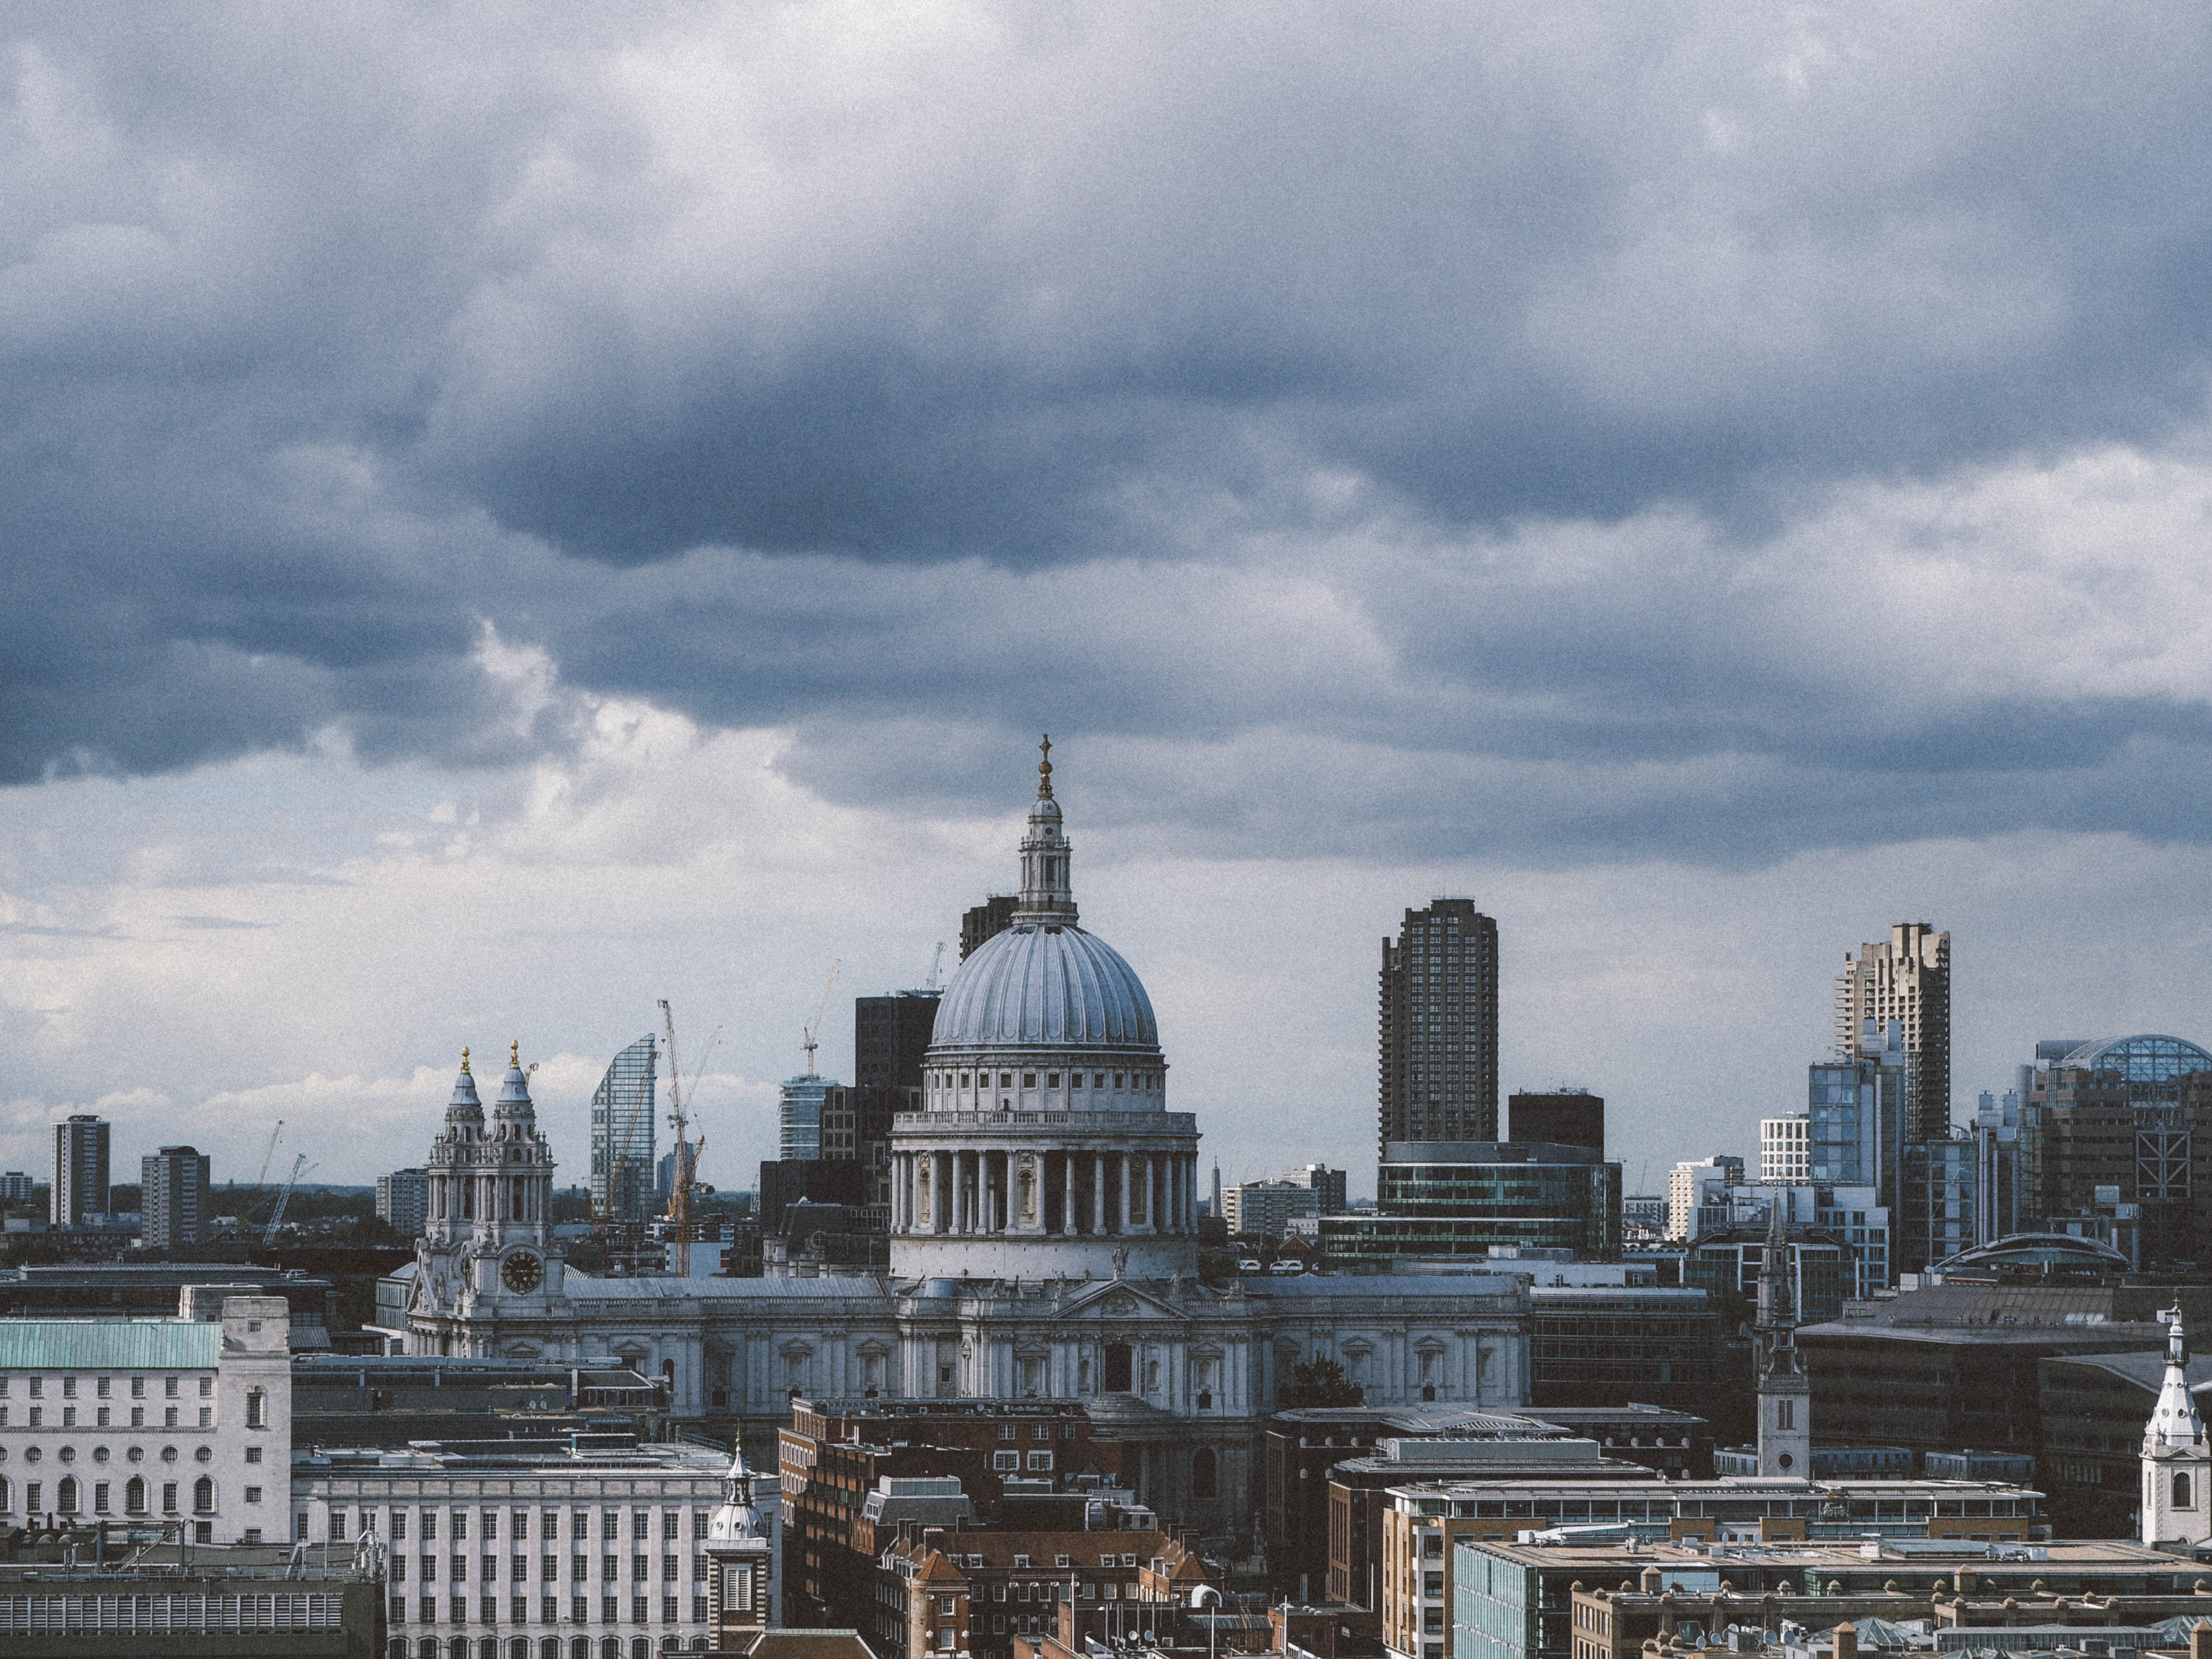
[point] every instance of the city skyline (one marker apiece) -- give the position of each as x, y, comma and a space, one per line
500, 534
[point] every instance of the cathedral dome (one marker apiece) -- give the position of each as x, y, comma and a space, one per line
1038, 986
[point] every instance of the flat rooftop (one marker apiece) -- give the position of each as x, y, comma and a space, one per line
1620, 1563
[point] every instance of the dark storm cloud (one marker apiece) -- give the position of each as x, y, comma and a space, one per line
1224, 386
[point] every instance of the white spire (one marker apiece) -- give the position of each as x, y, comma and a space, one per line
2175, 1423
2177, 1460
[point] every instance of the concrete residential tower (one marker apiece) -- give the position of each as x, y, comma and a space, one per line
1439, 1027
1906, 979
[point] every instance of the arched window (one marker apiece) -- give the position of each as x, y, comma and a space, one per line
518, 1648
256, 1405
6, 1501
611, 1647
426, 1649
203, 1496
1202, 1475
65, 1498
1121, 1368
549, 1648
134, 1495
396, 1649
488, 1648
579, 1648
640, 1647
2184, 1497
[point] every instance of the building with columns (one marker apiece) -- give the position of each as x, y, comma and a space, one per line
1044, 1247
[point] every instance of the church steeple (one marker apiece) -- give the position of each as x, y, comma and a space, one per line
741, 1587
1047, 899
1785, 1393
2177, 1459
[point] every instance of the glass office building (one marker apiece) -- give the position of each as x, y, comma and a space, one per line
622, 1136
1451, 1200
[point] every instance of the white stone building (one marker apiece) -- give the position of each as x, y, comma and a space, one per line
179, 1422
525, 1550
1044, 1245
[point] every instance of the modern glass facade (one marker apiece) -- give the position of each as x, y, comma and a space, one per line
798, 1116
1452, 1200
622, 1136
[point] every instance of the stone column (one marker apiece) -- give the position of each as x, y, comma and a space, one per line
1068, 1224
943, 1182
1127, 1181
1098, 1192
1152, 1195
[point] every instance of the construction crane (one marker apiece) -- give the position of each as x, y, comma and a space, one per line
262, 1180
936, 966
810, 1031
277, 1219
687, 1151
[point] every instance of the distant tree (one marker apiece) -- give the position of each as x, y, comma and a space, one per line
1320, 1383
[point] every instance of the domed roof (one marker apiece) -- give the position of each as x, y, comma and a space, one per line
1034, 986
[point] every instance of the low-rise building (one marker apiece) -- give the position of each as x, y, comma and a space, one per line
113, 1589
2091, 1410
978, 1592
1428, 1530
391, 1400
497, 1541
151, 1289
1598, 1346
184, 1421
834, 1454
1264, 1209
2014, 1599
1956, 1365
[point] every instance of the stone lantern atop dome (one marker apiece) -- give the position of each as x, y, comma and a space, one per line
1045, 1147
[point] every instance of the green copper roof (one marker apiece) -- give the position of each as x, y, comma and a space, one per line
99, 1344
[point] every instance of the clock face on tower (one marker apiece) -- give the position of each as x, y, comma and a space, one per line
521, 1272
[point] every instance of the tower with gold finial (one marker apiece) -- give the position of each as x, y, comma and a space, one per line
488, 1221
1047, 899
2176, 1457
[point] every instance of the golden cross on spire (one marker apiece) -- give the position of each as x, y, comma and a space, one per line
514, 1054
464, 1058
1044, 766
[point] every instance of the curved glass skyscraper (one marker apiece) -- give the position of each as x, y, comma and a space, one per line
622, 1136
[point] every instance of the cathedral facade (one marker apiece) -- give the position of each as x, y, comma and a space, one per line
1044, 1247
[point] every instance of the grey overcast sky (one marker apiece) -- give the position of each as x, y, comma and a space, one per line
513, 511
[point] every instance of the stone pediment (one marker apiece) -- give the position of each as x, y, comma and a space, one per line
1120, 1299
